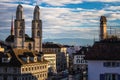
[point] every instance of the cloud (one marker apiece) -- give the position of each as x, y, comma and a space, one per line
61, 2
102, 0
60, 22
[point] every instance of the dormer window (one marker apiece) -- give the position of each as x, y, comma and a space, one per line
6, 59
28, 59
35, 59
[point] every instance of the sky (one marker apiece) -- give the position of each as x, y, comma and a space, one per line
63, 18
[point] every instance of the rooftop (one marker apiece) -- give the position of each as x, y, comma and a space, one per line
108, 49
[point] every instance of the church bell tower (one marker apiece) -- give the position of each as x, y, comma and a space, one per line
37, 30
103, 28
19, 28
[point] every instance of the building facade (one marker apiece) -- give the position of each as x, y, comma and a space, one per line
22, 64
79, 63
18, 39
51, 58
62, 58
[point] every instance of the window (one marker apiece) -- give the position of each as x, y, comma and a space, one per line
30, 46
5, 69
109, 76
111, 64
5, 78
20, 33
14, 78
38, 33
78, 61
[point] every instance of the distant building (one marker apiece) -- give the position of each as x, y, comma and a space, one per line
22, 64
62, 58
51, 57
79, 63
104, 57
18, 39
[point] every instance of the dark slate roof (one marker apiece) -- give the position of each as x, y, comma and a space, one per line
83, 50
10, 38
17, 55
27, 38
108, 49
51, 45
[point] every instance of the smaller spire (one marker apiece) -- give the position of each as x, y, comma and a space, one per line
12, 26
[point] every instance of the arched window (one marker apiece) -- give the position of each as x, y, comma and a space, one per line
78, 61
29, 46
20, 33
38, 33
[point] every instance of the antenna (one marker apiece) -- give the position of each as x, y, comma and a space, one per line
110, 30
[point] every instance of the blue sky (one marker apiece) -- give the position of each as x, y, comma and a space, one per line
62, 18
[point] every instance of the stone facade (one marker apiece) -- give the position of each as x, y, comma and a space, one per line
21, 40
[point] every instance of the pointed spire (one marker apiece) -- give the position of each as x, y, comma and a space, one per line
36, 13
12, 26
19, 12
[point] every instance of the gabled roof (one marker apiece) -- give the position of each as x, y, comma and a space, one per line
108, 49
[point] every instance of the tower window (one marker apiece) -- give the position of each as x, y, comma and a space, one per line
38, 33
78, 60
30, 46
20, 33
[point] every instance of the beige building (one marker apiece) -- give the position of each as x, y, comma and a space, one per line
18, 39
51, 57
22, 64
62, 58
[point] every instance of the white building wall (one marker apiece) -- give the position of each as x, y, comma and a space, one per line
95, 68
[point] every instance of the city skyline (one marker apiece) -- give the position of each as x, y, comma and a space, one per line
63, 19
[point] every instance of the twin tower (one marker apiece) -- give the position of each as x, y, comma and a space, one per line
18, 38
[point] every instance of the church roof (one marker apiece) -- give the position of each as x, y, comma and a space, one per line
19, 7
10, 38
108, 49
27, 38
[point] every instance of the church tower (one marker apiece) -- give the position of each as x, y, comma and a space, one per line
19, 28
103, 28
37, 29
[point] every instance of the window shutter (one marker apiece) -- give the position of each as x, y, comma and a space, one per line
102, 77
